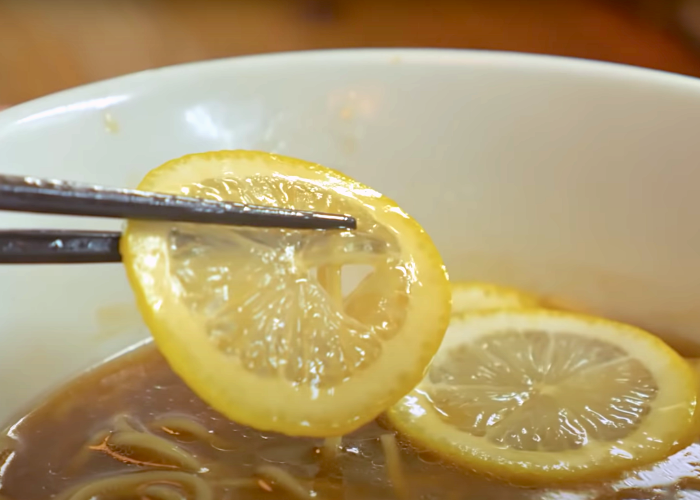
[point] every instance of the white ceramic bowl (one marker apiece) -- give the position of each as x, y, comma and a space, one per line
565, 177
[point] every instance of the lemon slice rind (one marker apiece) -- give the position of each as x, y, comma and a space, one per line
471, 296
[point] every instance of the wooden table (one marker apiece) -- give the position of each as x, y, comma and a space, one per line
48, 45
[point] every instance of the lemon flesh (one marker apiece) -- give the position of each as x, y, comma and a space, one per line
470, 296
537, 396
296, 331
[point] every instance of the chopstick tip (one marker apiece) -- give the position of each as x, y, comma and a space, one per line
338, 221
351, 222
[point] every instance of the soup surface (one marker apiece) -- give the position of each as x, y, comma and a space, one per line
132, 429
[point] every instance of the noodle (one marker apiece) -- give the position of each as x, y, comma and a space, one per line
285, 481
177, 426
331, 447
330, 278
158, 492
330, 466
393, 465
125, 437
97, 439
121, 424
246, 482
158, 446
131, 484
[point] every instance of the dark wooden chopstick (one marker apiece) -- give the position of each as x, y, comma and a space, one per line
28, 194
48, 246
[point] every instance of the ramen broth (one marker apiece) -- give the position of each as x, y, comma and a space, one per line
132, 429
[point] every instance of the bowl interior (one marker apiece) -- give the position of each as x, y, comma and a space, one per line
572, 179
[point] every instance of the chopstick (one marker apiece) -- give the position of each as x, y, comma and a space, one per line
29, 194
45, 246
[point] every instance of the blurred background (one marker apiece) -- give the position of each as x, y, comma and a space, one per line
49, 45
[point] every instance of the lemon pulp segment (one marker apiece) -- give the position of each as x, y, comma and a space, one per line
296, 331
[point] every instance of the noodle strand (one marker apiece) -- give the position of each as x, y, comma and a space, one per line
177, 426
330, 466
243, 483
330, 278
158, 446
121, 424
158, 492
285, 481
393, 465
331, 447
130, 483
80, 458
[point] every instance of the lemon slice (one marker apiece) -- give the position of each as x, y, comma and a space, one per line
538, 396
470, 296
301, 332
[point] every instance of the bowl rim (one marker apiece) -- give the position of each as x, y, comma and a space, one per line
98, 93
